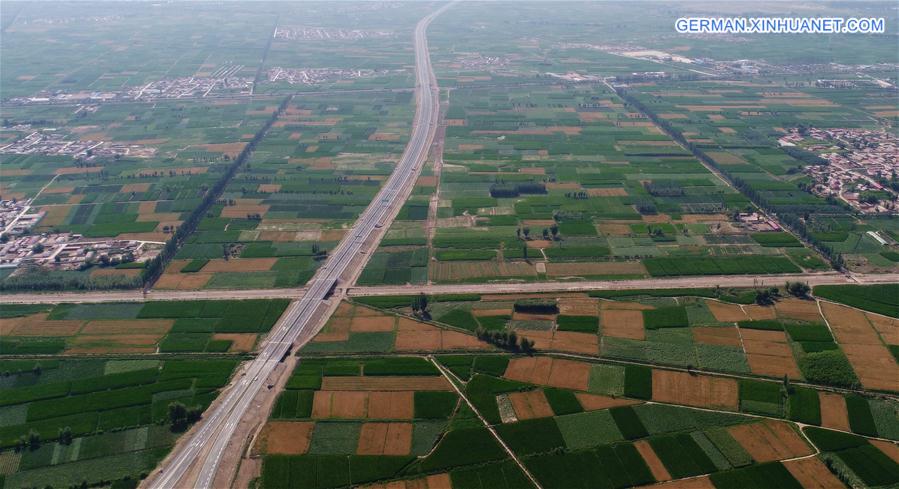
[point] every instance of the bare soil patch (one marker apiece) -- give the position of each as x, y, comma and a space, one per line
710, 335
134, 187
875, 366
339, 404
833, 411
398, 383
812, 473
112, 272
798, 309
887, 327
71, 170
652, 460
577, 306
391, 405
702, 482
372, 323
727, 313
759, 313
607, 192
889, 448
694, 390
593, 402
39, 325
623, 324
385, 439
770, 440
288, 437
269, 188
240, 342
530, 404
241, 211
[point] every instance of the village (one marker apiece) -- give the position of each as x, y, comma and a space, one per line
222, 81
315, 76
53, 142
860, 164
61, 251
324, 34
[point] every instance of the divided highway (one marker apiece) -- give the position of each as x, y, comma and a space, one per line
202, 451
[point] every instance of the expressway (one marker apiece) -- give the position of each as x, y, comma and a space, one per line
200, 453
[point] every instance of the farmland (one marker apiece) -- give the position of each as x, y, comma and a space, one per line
73, 420
712, 330
126, 328
739, 134
567, 182
396, 420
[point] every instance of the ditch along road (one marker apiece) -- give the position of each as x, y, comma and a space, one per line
818, 278
197, 460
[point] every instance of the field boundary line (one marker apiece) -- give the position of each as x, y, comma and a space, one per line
450, 378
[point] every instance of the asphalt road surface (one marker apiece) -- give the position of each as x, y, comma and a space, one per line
205, 444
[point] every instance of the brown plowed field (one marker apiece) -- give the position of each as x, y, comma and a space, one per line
391, 405
813, 474
567, 374
623, 324
530, 404
727, 313
372, 323
695, 483
652, 460
416, 383
770, 440
804, 310
710, 335
385, 439
288, 437
593, 402
435, 481
694, 390
240, 342
339, 404
833, 411
574, 306
769, 353
891, 449
875, 366
758, 313
39, 325
887, 327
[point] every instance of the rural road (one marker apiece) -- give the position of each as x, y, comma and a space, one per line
826, 278
195, 460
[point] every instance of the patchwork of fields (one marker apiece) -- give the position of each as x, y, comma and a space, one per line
561, 182
735, 127
64, 422
397, 422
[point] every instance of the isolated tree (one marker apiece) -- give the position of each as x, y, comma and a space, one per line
65, 436
527, 233
177, 416
798, 289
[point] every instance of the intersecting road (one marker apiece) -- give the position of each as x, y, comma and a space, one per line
207, 442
